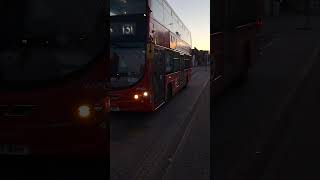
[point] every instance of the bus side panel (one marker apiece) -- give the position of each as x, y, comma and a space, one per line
173, 81
176, 82
185, 76
188, 73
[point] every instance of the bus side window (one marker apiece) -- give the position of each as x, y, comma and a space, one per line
187, 63
169, 62
176, 59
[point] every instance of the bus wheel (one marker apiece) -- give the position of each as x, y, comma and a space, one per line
169, 93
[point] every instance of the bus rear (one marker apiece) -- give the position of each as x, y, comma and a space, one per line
52, 74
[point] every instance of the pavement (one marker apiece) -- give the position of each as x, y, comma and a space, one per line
247, 120
297, 152
142, 145
192, 158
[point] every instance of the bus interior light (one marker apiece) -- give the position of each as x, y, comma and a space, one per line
84, 111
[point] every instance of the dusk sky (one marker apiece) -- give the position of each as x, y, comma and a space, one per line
196, 16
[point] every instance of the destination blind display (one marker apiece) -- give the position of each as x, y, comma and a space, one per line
122, 29
128, 29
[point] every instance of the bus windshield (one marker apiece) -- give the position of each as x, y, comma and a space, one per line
127, 7
127, 66
46, 40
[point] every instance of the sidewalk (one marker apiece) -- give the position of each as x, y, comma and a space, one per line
297, 148
192, 158
290, 50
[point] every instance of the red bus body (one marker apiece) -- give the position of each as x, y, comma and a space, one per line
50, 125
162, 46
44, 120
243, 43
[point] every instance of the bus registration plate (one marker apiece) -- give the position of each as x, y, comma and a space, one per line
13, 149
115, 109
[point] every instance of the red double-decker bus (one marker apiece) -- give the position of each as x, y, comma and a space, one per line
150, 54
53, 78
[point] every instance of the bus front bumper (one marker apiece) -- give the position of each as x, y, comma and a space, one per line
131, 106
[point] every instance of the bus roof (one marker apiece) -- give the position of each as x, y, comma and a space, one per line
168, 4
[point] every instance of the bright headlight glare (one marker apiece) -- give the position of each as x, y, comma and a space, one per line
84, 111
136, 96
145, 94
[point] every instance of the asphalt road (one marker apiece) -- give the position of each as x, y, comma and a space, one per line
296, 153
192, 157
143, 146
249, 120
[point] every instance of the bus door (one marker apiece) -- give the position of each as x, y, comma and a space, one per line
158, 76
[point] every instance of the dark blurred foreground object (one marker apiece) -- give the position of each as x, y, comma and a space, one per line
53, 100
234, 41
34, 168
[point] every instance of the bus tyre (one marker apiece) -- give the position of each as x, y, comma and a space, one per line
169, 93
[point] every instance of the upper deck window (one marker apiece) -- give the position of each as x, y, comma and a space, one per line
127, 7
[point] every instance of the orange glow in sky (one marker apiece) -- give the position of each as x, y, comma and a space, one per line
195, 14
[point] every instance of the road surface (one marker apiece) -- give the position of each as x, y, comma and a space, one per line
144, 146
249, 121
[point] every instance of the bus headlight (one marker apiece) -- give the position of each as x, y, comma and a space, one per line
84, 111
136, 96
145, 94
